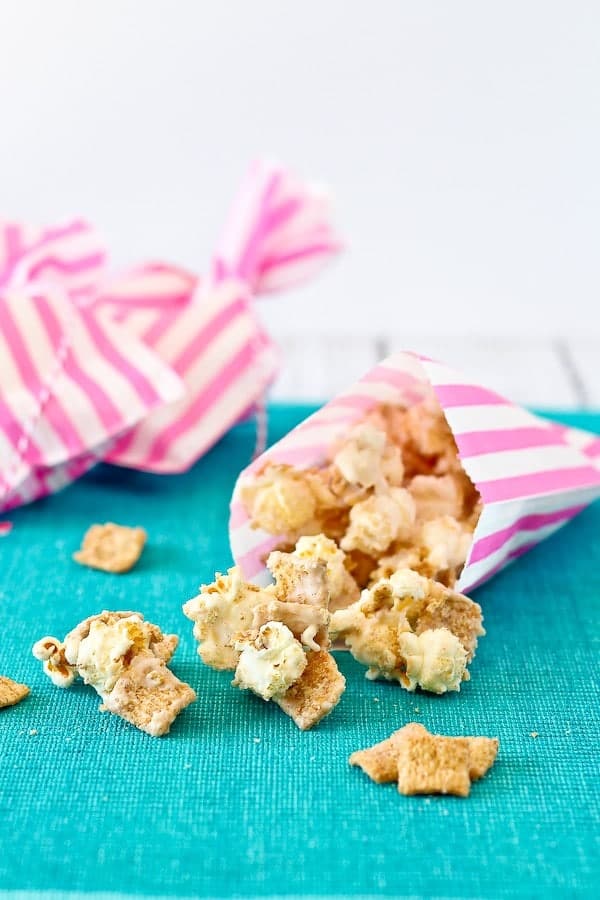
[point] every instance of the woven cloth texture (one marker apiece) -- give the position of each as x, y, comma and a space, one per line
236, 801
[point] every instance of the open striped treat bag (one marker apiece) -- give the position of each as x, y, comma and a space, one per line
412, 468
147, 369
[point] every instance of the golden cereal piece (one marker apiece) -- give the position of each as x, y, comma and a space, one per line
380, 762
482, 755
430, 764
11, 692
111, 548
316, 693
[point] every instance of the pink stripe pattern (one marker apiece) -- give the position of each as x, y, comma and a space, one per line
533, 475
69, 256
59, 411
494, 542
279, 233
150, 367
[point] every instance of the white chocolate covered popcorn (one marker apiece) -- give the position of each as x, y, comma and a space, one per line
51, 653
125, 660
427, 429
367, 459
407, 628
437, 495
380, 520
280, 500
221, 611
445, 544
435, 660
275, 638
342, 587
408, 584
270, 662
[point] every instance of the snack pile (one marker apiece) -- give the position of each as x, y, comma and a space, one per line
415, 466
125, 660
275, 639
392, 495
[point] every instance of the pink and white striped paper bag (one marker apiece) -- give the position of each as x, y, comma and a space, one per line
207, 329
533, 475
69, 385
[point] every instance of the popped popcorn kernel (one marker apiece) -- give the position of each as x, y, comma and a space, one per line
125, 660
51, 653
367, 459
437, 495
221, 611
427, 429
412, 630
271, 660
435, 660
445, 544
280, 500
378, 521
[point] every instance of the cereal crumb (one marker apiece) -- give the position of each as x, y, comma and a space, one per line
33, 731
534, 734
375, 699
111, 548
11, 692
256, 740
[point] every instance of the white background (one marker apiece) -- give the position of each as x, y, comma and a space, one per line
461, 141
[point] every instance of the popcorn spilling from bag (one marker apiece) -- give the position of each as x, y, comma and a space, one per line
150, 368
414, 467
393, 496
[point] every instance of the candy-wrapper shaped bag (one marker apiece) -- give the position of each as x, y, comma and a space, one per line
70, 382
207, 330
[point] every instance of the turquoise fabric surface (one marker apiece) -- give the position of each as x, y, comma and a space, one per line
236, 800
